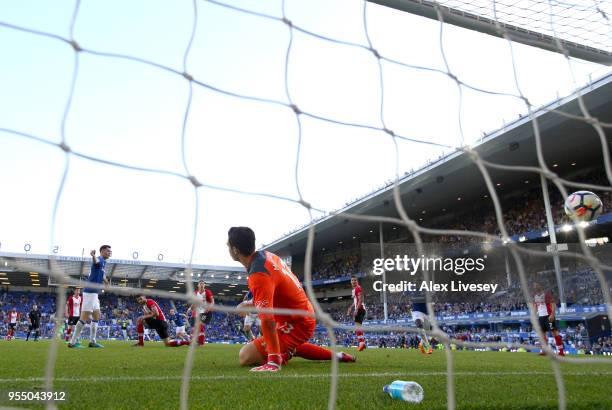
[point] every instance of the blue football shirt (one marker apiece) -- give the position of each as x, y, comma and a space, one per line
96, 275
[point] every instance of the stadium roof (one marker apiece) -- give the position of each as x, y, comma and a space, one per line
434, 190
19, 269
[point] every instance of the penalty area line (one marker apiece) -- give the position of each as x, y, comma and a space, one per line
293, 376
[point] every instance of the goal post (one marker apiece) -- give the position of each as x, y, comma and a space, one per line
463, 14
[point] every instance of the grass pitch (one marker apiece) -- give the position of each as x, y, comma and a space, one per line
122, 377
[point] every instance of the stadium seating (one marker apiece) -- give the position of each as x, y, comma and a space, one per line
522, 213
223, 328
581, 285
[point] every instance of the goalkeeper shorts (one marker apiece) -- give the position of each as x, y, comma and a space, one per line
290, 336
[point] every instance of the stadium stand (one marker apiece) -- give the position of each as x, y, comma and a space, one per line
524, 212
222, 329
332, 268
226, 328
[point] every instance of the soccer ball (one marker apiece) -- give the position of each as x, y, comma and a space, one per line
583, 206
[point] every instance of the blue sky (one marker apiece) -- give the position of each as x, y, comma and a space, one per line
132, 113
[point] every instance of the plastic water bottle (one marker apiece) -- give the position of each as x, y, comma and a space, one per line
406, 391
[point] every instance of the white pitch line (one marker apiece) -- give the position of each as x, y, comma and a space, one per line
295, 376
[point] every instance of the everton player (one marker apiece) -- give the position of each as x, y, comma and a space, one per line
250, 318
154, 319
359, 312
179, 321
91, 303
273, 285
419, 315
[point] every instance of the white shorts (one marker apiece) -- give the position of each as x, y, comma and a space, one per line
251, 318
180, 329
90, 302
419, 315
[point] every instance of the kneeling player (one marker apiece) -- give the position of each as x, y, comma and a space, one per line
419, 315
273, 285
154, 319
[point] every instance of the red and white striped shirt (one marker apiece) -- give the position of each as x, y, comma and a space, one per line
74, 305
544, 303
356, 293
148, 308
201, 296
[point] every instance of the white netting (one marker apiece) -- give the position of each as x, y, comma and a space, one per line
292, 105
580, 28
582, 22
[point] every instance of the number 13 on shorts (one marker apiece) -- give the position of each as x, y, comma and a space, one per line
285, 328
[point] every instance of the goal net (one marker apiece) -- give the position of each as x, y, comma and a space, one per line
580, 28
288, 88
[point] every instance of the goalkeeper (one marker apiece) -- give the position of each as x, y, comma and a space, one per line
273, 285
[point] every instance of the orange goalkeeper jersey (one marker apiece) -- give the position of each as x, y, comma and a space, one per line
273, 285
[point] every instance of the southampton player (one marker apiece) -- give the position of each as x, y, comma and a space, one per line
34, 318
250, 319
91, 303
203, 294
74, 304
154, 319
179, 321
13, 318
421, 321
359, 312
545, 306
274, 286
